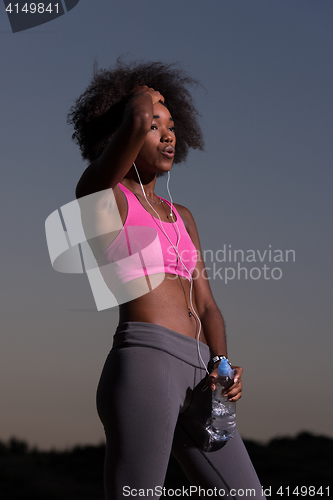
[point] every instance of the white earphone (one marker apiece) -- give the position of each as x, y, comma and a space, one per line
178, 255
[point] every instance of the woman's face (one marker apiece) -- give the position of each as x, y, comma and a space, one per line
158, 150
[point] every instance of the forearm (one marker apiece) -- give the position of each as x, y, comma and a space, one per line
214, 330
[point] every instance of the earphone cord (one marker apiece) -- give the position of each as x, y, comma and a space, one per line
179, 256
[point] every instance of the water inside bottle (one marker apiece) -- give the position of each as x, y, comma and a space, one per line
220, 410
223, 423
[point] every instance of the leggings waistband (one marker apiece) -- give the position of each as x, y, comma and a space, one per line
135, 333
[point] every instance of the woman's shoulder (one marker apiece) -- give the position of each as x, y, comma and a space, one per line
186, 216
183, 211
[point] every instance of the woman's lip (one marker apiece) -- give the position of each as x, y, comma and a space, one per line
169, 154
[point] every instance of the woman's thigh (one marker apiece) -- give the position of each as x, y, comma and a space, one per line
227, 472
138, 405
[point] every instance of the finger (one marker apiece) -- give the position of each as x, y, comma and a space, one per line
238, 374
237, 378
233, 392
157, 97
235, 398
210, 382
234, 388
138, 88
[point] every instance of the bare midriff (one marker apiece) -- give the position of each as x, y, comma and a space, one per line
167, 305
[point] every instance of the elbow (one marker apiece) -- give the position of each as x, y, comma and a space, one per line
85, 187
79, 192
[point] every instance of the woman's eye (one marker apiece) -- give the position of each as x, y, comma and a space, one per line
153, 127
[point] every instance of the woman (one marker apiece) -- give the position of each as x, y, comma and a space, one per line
132, 123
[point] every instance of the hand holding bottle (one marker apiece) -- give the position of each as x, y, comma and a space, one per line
234, 392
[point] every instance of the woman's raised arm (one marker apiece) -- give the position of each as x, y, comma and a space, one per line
117, 158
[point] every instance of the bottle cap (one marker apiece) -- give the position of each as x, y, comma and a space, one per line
224, 368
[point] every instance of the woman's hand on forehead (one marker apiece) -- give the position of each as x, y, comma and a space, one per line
155, 94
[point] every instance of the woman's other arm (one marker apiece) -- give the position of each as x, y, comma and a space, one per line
209, 314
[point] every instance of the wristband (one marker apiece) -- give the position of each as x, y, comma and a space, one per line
214, 360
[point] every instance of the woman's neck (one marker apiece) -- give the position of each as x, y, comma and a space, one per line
132, 182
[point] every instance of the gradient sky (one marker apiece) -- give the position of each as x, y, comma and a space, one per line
265, 178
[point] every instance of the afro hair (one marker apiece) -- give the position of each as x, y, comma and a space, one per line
98, 112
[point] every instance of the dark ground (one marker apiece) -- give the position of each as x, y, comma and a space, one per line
77, 474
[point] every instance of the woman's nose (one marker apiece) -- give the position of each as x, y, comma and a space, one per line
167, 136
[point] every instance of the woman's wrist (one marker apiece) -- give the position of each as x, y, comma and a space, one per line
215, 361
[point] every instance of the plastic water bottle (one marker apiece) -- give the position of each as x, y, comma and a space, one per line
223, 418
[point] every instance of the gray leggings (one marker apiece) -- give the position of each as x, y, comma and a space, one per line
151, 403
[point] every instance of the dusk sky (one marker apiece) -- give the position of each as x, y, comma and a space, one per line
263, 185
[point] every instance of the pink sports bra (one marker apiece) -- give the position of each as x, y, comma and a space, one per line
142, 248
